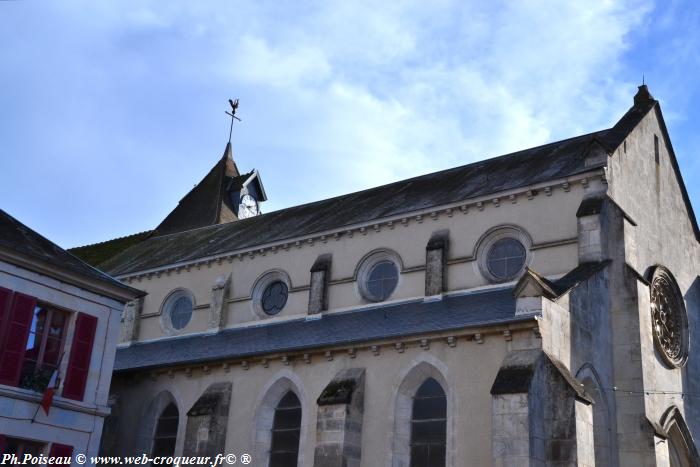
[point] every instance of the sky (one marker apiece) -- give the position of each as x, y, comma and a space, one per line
111, 111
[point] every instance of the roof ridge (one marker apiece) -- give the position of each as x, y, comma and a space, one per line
406, 180
554, 160
123, 237
61, 264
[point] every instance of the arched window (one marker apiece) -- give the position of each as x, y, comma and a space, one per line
286, 427
681, 449
677, 450
602, 436
429, 425
166, 432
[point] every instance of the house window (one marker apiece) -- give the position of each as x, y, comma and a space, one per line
166, 432
20, 446
429, 425
286, 427
44, 346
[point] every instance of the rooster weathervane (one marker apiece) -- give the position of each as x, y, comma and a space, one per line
232, 114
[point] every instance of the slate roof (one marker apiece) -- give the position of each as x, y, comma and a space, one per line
520, 169
571, 280
481, 308
98, 253
207, 203
19, 238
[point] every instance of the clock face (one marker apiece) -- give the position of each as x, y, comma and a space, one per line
248, 207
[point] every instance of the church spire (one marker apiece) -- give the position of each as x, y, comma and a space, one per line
229, 163
223, 195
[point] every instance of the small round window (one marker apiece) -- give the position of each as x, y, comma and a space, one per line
274, 297
382, 280
506, 258
378, 275
178, 310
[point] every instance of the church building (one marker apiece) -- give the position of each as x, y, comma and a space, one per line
540, 308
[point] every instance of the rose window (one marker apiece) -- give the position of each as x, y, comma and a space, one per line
669, 322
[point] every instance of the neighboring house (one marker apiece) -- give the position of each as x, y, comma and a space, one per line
57, 314
539, 308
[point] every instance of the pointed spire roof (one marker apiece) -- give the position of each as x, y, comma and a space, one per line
208, 202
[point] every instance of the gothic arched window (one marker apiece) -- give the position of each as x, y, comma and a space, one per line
284, 448
166, 432
429, 425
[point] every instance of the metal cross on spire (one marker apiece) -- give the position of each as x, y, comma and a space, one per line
232, 114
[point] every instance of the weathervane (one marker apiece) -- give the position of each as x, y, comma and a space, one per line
232, 114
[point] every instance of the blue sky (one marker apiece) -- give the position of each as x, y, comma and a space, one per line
113, 110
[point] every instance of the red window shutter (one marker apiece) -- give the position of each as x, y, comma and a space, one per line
80, 353
60, 450
5, 301
17, 326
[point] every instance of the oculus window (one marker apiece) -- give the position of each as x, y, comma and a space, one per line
286, 428
271, 293
382, 280
503, 253
506, 258
429, 425
378, 275
177, 310
274, 297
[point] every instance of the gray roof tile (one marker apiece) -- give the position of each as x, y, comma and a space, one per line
481, 308
521, 169
19, 238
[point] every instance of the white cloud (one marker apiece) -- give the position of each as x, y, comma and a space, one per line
335, 96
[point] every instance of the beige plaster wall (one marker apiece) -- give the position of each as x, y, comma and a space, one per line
554, 253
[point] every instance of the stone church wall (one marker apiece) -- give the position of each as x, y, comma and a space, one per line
467, 371
554, 252
663, 235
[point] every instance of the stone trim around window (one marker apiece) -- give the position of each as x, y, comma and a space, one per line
487, 241
261, 284
166, 322
265, 406
669, 319
365, 267
421, 370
